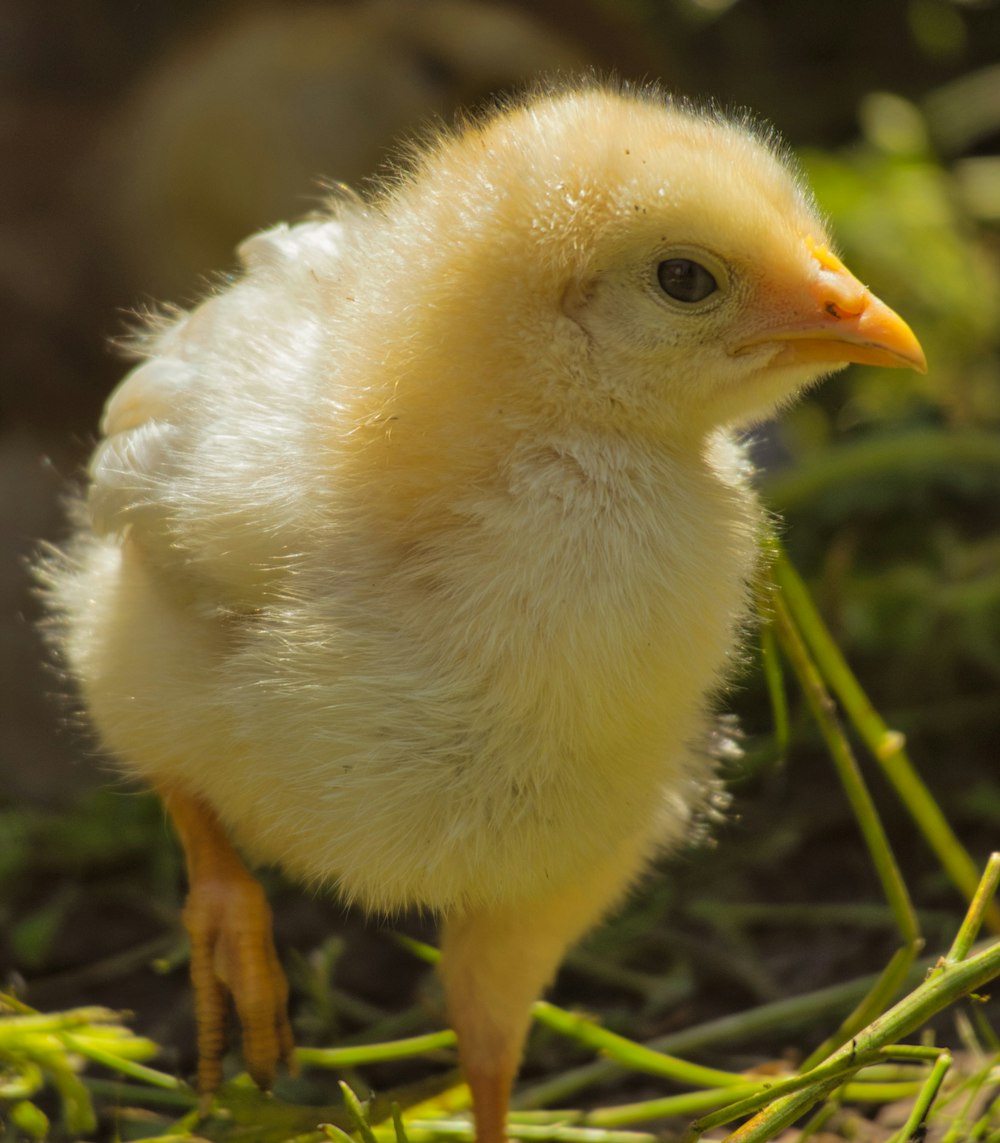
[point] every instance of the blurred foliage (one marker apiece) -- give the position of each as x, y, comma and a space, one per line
889, 485
902, 220
50, 1050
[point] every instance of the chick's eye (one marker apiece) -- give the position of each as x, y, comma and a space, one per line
684, 280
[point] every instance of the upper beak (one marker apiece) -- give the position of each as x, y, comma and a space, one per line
835, 318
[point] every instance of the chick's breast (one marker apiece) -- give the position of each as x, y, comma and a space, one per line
384, 573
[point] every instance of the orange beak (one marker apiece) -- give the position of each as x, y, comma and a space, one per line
837, 319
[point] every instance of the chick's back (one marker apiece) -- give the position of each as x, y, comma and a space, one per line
382, 563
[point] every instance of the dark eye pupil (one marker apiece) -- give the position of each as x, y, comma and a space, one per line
684, 280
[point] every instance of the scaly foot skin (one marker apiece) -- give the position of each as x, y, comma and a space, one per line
232, 953
232, 950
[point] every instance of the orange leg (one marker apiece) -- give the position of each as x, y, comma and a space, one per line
494, 966
232, 950
489, 986
495, 962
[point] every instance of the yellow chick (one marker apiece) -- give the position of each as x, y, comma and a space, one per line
414, 557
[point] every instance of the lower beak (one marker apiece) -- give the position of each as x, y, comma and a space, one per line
836, 319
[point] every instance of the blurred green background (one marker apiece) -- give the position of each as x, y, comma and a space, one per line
139, 141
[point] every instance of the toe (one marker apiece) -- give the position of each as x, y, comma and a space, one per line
260, 993
246, 961
210, 1006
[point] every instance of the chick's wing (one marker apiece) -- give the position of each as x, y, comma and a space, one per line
206, 463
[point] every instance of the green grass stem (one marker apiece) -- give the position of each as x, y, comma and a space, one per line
628, 1053
925, 1099
357, 1114
775, 682
796, 1011
375, 1053
982, 899
946, 984
824, 712
791, 639
887, 746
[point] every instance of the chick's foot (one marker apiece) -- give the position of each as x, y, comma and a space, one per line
232, 953
229, 923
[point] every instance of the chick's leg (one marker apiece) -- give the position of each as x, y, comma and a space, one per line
495, 963
232, 950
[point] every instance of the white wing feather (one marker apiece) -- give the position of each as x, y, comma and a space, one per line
174, 471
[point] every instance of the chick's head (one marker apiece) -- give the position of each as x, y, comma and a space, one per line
643, 263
